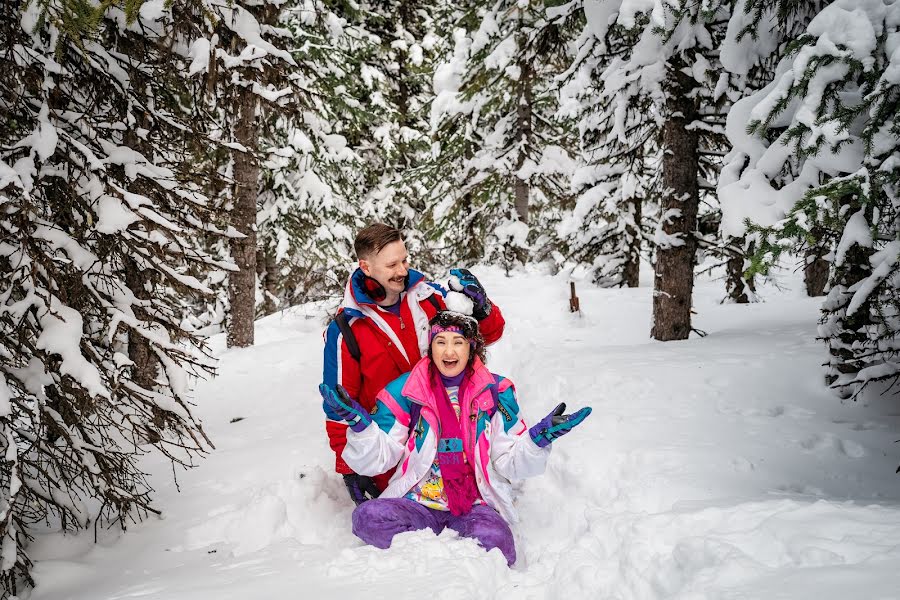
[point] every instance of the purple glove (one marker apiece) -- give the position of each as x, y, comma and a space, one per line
556, 425
338, 405
469, 285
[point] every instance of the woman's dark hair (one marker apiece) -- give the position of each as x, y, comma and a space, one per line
469, 327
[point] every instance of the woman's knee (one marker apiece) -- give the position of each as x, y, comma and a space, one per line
491, 530
377, 521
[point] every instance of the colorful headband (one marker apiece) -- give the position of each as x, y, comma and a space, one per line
436, 329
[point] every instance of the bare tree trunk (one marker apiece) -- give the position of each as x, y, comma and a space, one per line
632, 267
816, 269
674, 281
524, 129
268, 277
815, 274
242, 284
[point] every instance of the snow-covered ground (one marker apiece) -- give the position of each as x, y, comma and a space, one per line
718, 467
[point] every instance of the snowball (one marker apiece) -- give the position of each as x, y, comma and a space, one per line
458, 302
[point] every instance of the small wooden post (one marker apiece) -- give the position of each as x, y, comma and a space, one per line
573, 299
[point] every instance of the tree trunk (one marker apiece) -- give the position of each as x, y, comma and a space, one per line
406, 16
525, 133
146, 363
816, 269
266, 270
815, 274
674, 269
735, 282
740, 289
632, 266
242, 284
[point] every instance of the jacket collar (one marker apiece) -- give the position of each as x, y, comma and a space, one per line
357, 293
418, 386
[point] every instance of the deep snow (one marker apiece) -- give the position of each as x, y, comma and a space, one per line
718, 467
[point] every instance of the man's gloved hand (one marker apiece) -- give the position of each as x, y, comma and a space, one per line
339, 403
556, 425
463, 281
359, 486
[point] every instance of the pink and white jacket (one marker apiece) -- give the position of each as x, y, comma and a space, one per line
496, 435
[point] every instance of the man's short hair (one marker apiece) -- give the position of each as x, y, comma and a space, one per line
371, 239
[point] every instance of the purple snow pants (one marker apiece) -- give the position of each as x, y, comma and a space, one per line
377, 521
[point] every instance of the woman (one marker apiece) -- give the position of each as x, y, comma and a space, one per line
453, 431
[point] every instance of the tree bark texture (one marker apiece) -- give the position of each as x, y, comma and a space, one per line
816, 269
815, 275
524, 133
736, 284
631, 273
674, 269
242, 284
267, 271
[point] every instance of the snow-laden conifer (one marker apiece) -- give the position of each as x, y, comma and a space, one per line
816, 161
501, 159
312, 179
660, 101
101, 215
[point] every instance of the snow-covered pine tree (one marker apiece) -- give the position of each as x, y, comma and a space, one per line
502, 159
760, 33
664, 62
823, 149
312, 179
389, 48
603, 228
98, 237
236, 50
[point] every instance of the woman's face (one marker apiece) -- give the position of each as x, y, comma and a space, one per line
450, 353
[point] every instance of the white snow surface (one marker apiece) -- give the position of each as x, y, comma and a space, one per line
716, 467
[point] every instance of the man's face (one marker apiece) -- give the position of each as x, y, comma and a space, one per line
389, 267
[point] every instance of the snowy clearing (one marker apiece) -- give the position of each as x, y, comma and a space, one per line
712, 468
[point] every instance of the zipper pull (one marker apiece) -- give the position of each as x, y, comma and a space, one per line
402, 326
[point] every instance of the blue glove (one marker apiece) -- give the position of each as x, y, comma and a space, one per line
556, 425
339, 403
469, 285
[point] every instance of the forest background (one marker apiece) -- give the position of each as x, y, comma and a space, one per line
172, 169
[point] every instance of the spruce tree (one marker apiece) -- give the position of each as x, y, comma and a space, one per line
823, 147
312, 179
662, 87
609, 220
502, 158
99, 237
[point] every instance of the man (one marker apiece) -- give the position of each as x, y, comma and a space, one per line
382, 331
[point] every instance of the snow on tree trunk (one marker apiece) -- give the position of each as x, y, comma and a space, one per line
524, 133
674, 269
242, 283
740, 290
